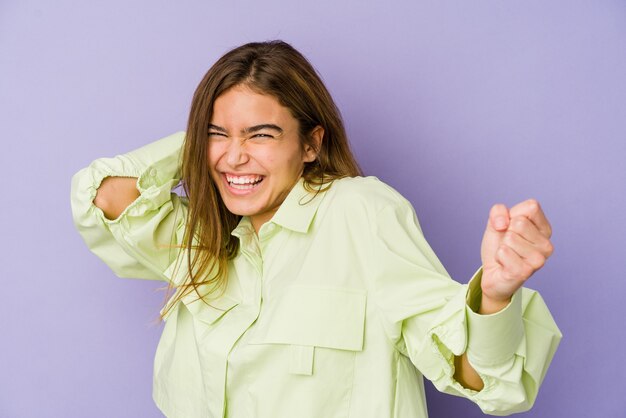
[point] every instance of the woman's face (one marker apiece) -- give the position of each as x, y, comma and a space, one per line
255, 154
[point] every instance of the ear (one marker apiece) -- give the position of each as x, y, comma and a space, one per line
311, 151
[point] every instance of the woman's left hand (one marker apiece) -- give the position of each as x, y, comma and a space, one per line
516, 243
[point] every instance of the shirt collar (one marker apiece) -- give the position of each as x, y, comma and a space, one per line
243, 229
299, 208
295, 213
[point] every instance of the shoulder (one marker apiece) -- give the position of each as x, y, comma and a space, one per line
367, 193
367, 204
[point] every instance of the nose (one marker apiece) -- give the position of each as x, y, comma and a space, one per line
236, 154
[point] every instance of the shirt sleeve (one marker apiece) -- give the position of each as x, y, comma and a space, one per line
145, 239
427, 316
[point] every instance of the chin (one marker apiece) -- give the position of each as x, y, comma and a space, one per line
241, 210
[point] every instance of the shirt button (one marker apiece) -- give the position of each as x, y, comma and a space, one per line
152, 172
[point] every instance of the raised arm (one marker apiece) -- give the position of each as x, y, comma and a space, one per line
428, 318
126, 212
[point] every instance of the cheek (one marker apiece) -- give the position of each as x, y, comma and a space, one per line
285, 160
213, 154
283, 166
265, 157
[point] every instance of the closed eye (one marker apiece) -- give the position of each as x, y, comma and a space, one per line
217, 134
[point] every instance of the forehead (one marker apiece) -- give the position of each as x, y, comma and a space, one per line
241, 106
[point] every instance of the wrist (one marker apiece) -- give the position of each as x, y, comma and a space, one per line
490, 306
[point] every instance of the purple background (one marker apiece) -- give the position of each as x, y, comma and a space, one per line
457, 104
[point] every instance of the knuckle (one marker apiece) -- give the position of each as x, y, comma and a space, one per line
526, 270
502, 254
508, 238
537, 261
533, 205
519, 223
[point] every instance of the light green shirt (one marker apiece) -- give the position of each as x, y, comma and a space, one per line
336, 309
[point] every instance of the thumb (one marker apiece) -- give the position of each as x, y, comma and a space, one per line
499, 218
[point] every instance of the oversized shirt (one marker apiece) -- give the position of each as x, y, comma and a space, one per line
335, 309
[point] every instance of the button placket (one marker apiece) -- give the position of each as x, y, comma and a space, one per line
249, 312
251, 251
271, 245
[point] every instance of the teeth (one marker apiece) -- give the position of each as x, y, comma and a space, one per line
243, 179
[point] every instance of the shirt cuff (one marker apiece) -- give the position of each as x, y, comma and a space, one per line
492, 339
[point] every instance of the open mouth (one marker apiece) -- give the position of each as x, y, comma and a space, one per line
248, 182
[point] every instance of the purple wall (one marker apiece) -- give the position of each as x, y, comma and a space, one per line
457, 104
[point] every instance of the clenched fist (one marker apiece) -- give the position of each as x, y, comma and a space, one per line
516, 243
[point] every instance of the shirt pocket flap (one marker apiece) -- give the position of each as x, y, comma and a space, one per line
209, 310
315, 316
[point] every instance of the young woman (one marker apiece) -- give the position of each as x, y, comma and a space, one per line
302, 289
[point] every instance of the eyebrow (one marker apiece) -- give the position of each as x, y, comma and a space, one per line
251, 129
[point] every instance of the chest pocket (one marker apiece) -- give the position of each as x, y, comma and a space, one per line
314, 318
208, 310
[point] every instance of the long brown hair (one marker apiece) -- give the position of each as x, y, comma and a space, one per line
277, 69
